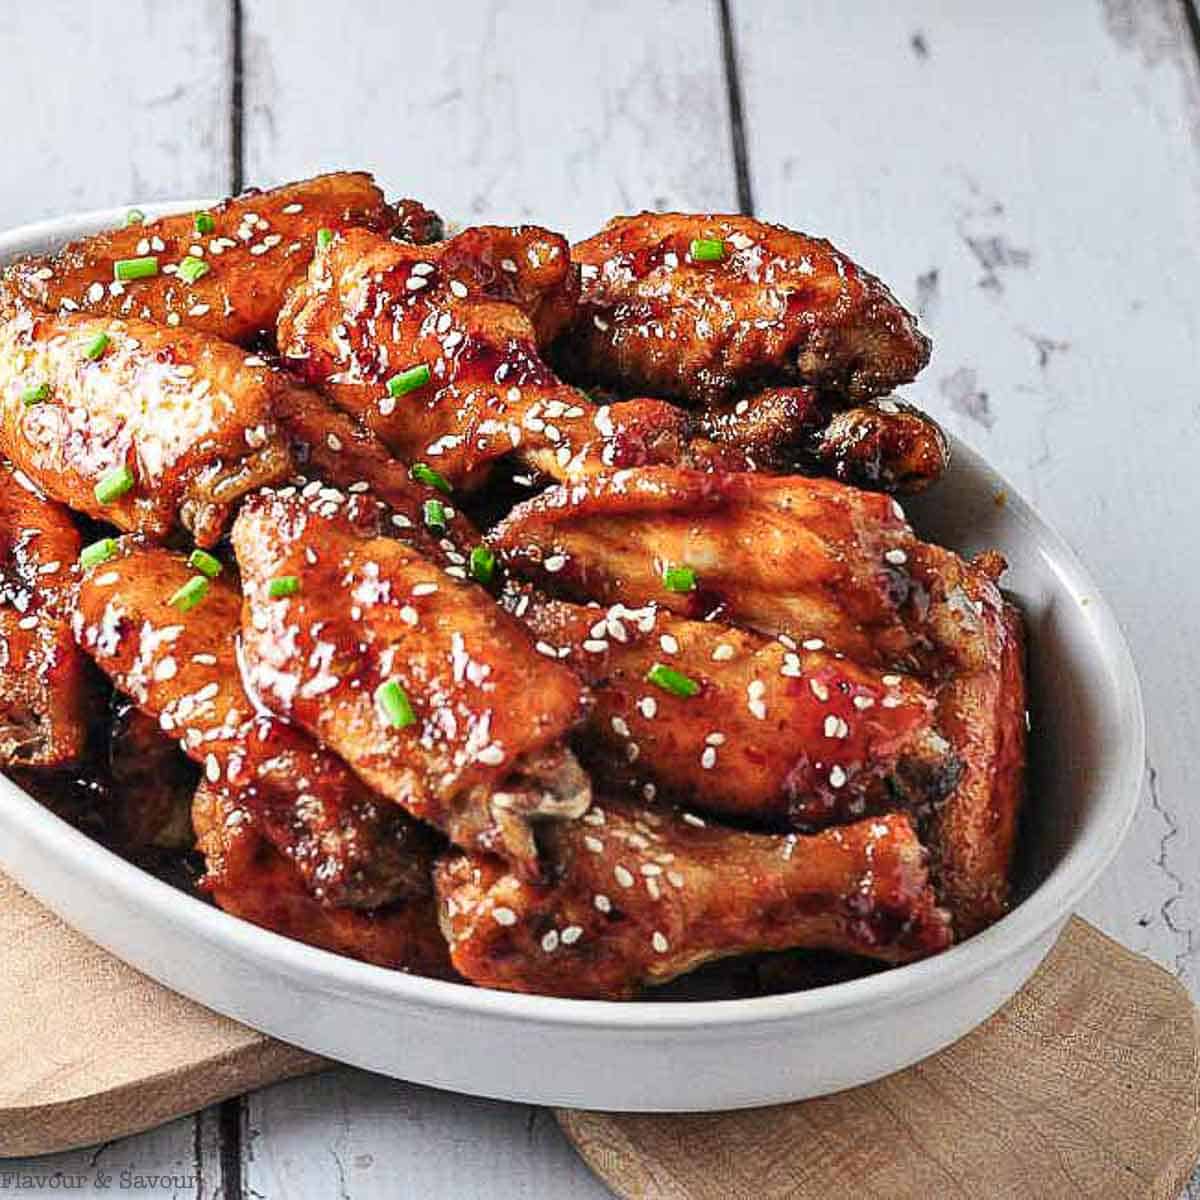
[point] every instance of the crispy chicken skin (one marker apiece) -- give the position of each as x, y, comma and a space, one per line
777, 732
473, 311
181, 668
192, 419
804, 557
45, 683
248, 877
260, 244
882, 445
777, 307
638, 897
483, 754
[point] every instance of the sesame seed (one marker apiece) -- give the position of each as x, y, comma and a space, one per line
648, 706
291, 209
492, 755
212, 769
890, 701
692, 819
660, 943
891, 680
669, 644
813, 644
620, 727
555, 563
831, 726
757, 709
863, 702
165, 669
571, 935
675, 879
595, 646
896, 557
424, 589
649, 791
623, 876
594, 844
602, 902
819, 690
458, 288
723, 652
550, 941
756, 689
594, 816
545, 648
205, 660
651, 869
333, 442
504, 916
837, 777
708, 759
507, 264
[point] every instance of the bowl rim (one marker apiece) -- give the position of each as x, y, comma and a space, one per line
1048, 905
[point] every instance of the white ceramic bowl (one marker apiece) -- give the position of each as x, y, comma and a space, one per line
1087, 753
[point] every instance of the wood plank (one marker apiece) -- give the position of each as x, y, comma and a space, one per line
106, 107
347, 1133
498, 112
1027, 175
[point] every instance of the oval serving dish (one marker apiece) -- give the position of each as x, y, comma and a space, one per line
1085, 771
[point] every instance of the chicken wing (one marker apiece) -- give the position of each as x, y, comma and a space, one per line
883, 445
136, 424
700, 307
638, 897
432, 693
171, 645
732, 722
803, 557
981, 710
248, 877
222, 272
435, 350
45, 682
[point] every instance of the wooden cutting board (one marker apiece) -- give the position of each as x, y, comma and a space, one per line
1086, 1084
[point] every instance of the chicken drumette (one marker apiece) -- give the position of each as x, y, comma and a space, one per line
638, 896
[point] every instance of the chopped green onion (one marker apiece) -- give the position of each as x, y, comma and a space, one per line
134, 216
205, 563
113, 486
35, 395
393, 703
125, 269
675, 682
408, 381
483, 564
423, 474
679, 579
283, 585
192, 268
190, 594
324, 237
435, 514
97, 553
96, 347
707, 250
204, 222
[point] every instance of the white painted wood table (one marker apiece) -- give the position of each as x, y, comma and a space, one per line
1026, 175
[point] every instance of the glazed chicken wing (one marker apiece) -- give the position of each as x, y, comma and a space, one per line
432, 693
222, 272
803, 557
45, 689
248, 877
732, 722
700, 307
178, 660
882, 445
136, 424
638, 897
436, 350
